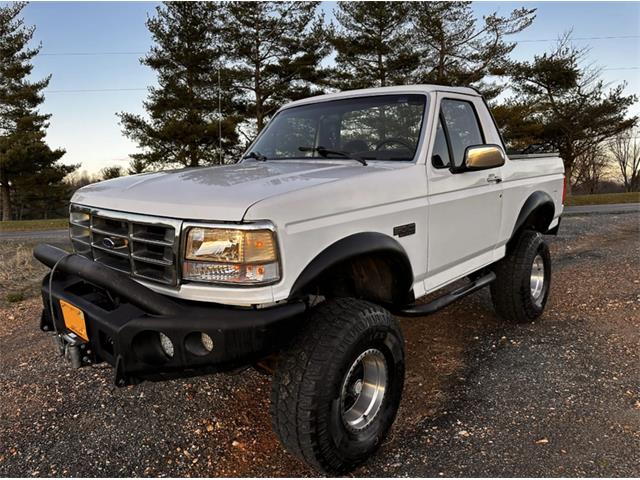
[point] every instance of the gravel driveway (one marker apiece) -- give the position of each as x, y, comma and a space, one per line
560, 397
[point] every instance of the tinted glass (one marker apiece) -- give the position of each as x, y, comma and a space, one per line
440, 156
462, 126
375, 128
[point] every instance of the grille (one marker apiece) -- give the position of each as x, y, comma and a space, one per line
143, 247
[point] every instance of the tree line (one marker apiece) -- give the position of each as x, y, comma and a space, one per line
223, 68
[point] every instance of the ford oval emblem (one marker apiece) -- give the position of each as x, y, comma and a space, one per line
108, 243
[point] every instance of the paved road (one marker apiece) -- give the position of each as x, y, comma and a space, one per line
557, 398
602, 209
35, 234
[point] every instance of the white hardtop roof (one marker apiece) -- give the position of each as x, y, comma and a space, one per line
383, 91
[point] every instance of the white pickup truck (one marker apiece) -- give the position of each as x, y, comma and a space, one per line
346, 209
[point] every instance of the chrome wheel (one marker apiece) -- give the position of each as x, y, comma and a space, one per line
536, 282
363, 389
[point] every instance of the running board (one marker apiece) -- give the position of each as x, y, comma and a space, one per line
441, 302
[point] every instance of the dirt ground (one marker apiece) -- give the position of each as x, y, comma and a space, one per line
559, 397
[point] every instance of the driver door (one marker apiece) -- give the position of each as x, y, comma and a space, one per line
465, 208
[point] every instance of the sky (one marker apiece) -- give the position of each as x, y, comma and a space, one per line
92, 51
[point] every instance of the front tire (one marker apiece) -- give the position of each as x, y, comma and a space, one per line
523, 280
336, 392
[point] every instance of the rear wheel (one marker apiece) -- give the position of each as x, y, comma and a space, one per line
523, 279
336, 391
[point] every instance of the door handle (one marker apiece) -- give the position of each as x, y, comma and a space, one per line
494, 178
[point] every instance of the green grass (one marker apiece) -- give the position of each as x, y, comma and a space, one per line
19, 225
603, 198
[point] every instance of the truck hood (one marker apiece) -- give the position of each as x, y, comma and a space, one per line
222, 193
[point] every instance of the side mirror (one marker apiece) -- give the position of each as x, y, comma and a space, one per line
482, 157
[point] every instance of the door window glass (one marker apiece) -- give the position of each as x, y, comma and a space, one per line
462, 126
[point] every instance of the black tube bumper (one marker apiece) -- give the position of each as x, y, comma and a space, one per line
123, 327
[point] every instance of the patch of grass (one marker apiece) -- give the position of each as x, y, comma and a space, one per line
603, 198
19, 225
15, 297
19, 271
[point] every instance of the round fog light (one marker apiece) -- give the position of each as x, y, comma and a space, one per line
166, 344
207, 342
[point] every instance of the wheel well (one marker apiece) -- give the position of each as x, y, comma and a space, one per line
370, 266
374, 277
539, 219
536, 214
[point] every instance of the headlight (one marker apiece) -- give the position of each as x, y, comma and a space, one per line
226, 255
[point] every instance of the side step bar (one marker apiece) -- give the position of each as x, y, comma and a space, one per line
441, 302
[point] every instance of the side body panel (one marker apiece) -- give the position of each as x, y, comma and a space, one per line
523, 177
318, 217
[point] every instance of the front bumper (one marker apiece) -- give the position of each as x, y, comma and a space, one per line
124, 319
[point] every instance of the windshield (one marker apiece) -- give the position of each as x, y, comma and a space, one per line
383, 127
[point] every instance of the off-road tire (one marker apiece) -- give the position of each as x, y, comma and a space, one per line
511, 291
306, 390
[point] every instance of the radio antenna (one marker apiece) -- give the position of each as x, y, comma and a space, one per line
219, 118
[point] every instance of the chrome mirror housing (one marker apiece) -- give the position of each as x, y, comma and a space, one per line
481, 157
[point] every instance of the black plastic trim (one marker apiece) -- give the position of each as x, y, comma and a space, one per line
351, 247
537, 202
554, 230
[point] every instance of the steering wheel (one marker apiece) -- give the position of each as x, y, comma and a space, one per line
397, 140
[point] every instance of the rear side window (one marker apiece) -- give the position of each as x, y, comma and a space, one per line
462, 127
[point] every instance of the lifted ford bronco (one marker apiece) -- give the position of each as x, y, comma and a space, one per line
345, 210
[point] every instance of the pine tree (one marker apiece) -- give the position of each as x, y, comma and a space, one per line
576, 108
275, 49
25, 159
136, 166
41, 191
455, 49
114, 171
373, 45
185, 121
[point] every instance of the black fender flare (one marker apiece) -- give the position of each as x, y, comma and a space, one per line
538, 211
353, 246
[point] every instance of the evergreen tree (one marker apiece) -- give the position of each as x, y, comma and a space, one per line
136, 166
183, 127
520, 127
373, 45
108, 173
41, 191
276, 49
25, 159
577, 110
455, 50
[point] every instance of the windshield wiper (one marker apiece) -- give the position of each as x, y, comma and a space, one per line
325, 151
257, 155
